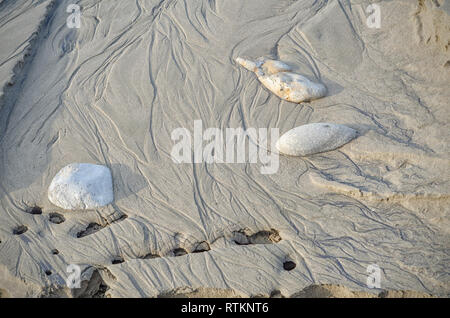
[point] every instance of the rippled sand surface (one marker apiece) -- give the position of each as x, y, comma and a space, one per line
112, 92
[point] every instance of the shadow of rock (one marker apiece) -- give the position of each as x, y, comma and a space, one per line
126, 181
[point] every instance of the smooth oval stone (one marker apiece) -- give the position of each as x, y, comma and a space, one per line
314, 138
80, 186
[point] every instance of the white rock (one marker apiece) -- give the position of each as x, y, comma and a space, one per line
314, 138
276, 76
81, 186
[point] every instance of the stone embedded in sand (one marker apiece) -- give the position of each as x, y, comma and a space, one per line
20, 229
179, 251
289, 265
34, 210
117, 260
278, 78
80, 186
56, 218
202, 247
314, 138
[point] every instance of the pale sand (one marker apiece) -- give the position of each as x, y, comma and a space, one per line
112, 91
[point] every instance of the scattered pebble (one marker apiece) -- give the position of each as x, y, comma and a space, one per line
34, 210
289, 265
179, 252
56, 218
151, 256
20, 229
117, 260
202, 247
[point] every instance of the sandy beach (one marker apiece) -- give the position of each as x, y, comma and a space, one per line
113, 91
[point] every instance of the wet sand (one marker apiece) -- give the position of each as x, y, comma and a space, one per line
112, 92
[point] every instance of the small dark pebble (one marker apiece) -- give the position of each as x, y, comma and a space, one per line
202, 247
118, 260
34, 210
150, 256
179, 252
276, 294
20, 230
102, 288
55, 252
48, 272
289, 265
56, 218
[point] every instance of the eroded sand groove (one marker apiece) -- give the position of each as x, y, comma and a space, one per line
16, 61
112, 92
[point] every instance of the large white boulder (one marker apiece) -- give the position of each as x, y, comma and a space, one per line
80, 186
314, 138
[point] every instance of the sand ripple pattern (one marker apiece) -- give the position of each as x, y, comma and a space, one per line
112, 91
